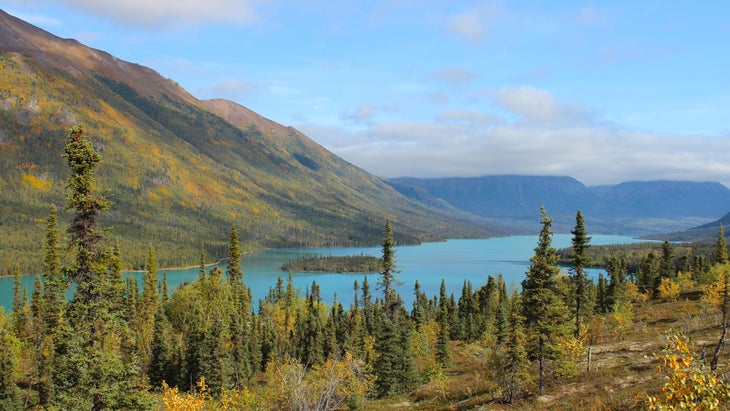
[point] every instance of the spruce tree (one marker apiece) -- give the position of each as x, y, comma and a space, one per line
240, 314
580, 261
54, 286
201, 269
420, 312
91, 372
546, 315
9, 391
666, 264
367, 306
394, 365
149, 303
720, 247
442, 340
615, 292
648, 277
515, 355
19, 318
162, 364
387, 281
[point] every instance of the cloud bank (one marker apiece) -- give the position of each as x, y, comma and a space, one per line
146, 13
538, 135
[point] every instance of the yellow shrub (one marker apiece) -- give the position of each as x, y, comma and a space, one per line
685, 282
172, 400
688, 386
668, 289
36, 182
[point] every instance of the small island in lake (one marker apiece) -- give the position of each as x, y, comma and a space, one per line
334, 264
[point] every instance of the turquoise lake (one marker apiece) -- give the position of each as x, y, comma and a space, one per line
452, 260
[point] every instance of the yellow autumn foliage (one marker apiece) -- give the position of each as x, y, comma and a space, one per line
668, 289
714, 293
688, 386
36, 182
172, 400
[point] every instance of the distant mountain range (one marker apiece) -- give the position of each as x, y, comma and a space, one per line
180, 171
648, 207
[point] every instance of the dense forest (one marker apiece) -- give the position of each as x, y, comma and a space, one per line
117, 344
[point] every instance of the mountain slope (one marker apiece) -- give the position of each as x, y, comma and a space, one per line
715, 225
180, 171
668, 199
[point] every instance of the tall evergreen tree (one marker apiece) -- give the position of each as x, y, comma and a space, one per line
235, 272
580, 261
9, 391
648, 277
240, 314
420, 312
721, 247
147, 310
615, 292
367, 306
667, 268
387, 280
546, 315
515, 368
201, 269
19, 317
394, 365
162, 362
54, 287
91, 370
442, 340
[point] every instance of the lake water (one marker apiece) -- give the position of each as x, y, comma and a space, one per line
453, 260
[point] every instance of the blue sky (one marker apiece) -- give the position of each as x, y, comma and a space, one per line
601, 91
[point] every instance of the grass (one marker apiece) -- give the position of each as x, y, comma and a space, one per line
622, 374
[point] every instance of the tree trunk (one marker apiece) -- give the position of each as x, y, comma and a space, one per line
720, 344
541, 378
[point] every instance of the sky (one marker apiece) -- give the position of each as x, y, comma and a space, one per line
604, 91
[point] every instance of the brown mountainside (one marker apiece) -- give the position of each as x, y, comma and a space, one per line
180, 171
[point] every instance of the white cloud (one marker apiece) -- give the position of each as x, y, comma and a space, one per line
536, 105
472, 143
150, 13
467, 25
473, 117
362, 114
454, 75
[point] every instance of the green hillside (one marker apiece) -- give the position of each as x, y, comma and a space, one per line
180, 171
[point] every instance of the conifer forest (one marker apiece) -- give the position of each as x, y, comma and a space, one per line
117, 344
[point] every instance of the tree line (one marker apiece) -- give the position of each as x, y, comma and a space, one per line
119, 344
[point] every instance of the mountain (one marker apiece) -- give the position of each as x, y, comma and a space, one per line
626, 208
180, 171
508, 197
715, 225
669, 199
706, 232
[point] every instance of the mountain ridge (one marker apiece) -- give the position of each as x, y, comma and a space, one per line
635, 207
180, 170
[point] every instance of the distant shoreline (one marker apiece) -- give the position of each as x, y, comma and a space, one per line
179, 268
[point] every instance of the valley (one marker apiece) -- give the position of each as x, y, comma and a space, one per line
106, 166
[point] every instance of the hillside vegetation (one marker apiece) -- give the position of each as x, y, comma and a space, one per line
119, 344
182, 170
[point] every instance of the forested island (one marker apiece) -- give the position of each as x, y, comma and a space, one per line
361, 264
558, 342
